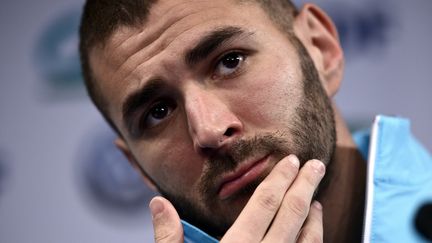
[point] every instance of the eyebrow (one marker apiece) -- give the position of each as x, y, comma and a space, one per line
210, 42
139, 98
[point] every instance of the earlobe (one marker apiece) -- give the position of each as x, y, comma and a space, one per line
124, 148
319, 36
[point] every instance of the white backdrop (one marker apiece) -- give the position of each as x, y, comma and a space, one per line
49, 130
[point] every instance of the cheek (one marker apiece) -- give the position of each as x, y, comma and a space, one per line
172, 163
280, 91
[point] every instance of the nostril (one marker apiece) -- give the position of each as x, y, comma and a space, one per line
229, 132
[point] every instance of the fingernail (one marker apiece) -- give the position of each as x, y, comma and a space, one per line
294, 160
156, 207
318, 166
317, 205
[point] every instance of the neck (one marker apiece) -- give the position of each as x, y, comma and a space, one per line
343, 191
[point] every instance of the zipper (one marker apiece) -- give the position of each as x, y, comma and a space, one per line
373, 145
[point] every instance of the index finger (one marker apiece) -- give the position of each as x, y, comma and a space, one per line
252, 223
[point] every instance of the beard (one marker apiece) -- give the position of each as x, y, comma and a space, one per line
311, 135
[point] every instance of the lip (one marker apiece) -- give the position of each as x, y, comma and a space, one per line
241, 177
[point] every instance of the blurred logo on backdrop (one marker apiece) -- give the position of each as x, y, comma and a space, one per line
3, 173
110, 182
363, 26
56, 55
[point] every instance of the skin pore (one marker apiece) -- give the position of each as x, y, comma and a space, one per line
192, 108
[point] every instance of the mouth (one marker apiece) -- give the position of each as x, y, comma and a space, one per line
245, 174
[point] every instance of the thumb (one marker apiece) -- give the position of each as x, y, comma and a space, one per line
166, 221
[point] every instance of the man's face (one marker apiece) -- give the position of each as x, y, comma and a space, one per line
209, 96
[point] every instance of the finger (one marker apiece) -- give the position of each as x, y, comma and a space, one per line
296, 203
313, 229
166, 221
261, 208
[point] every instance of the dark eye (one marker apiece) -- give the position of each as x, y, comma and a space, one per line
158, 113
229, 64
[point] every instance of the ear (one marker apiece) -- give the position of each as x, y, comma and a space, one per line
124, 148
319, 36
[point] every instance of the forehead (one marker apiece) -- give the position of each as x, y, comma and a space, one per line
132, 55
178, 20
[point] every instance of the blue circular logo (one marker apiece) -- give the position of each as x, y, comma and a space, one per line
56, 52
110, 181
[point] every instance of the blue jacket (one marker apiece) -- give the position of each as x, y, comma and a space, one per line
399, 181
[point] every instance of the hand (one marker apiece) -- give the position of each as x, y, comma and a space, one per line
278, 211
166, 221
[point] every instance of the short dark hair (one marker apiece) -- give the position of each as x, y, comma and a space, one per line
101, 18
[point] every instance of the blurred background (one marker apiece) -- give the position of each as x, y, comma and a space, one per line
62, 180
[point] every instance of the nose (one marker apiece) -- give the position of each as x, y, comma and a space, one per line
211, 123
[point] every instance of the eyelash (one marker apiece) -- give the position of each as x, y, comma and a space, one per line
143, 122
220, 59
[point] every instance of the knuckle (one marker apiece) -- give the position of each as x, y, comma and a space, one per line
268, 199
311, 180
269, 241
159, 238
298, 206
288, 174
312, 237
237, 237
163, 235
